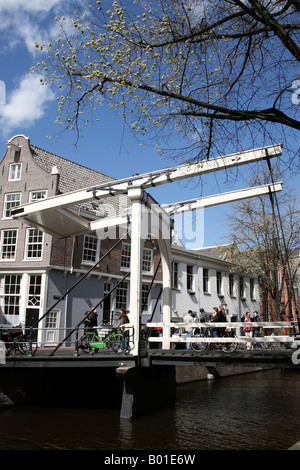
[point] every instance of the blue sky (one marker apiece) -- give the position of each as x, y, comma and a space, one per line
31, 109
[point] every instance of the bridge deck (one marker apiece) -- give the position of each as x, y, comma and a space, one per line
65, 357
253, 358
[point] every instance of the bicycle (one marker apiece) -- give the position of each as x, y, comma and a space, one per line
14, 340
115, 340
202, 346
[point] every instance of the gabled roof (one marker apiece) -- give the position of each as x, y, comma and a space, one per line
72, 175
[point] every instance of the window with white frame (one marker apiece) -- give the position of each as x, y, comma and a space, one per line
252, 289
8, 244
205, 281
37, 195
125, 255
34, 291
231, 285
14, 172
175, 275
12, 287
34, 244
121, 295
52, 319
147, 258
145, 297
91, 247
190, 277
10, 201
219, 282
242, 287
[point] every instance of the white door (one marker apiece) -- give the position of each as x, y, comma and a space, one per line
51, 327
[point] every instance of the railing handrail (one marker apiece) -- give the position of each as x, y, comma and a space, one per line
276, 324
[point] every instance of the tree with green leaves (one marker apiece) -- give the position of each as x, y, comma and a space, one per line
264, 237
199, 77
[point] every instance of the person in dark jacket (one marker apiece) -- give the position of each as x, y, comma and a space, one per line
218, 317
91, 321
256, 330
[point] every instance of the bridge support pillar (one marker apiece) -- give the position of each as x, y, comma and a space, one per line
146, 389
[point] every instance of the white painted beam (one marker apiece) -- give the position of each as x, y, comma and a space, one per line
43, 212
223, 198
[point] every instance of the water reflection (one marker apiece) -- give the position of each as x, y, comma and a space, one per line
253, 411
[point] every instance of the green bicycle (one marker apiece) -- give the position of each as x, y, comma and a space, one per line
115, 341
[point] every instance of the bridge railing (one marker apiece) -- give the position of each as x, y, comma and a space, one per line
236, 328
29, 340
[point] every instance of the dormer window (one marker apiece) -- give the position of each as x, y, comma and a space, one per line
14, 172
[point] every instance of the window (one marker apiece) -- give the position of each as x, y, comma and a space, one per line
37, 195
242, 287
252, 289
11, 200
9, 244
12, 286
125, 255
34, 291
145, 297
146, 259
175, 275
52, 319
121, 295
231, 285
219, 283
34, 244
190, 278
205, 280
14, 172
91, 247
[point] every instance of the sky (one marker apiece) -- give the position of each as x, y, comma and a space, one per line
29, 108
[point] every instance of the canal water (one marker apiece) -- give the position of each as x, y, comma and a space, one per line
256, 411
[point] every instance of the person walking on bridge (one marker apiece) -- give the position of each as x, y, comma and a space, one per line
248, 330
189, 319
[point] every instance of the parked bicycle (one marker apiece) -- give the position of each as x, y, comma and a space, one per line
116, 341
208, 333
14, 340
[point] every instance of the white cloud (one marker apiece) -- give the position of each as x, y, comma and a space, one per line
26, 104
31, 21
32, 6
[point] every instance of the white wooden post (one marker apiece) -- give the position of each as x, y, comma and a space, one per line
164, 243
136, 196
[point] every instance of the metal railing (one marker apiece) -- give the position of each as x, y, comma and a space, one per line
30, 340
180, 337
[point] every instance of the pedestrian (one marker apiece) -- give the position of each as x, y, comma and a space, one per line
256, 330
189, 319
123, 320
219, 316
248, 330
204, 318
90, 321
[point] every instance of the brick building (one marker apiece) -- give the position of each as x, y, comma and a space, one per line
37, 269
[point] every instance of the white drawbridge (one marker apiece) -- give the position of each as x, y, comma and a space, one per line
59, 216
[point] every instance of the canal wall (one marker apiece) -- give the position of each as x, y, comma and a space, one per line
186, 374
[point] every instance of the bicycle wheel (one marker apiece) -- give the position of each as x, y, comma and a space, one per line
198, 346
118, 343
229, 347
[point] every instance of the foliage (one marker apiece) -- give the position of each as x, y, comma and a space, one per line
265, 236
204, 76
